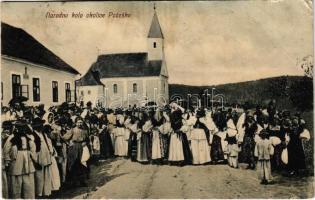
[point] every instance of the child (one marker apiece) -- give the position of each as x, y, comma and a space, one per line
263, 151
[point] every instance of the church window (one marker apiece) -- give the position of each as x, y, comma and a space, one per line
82, 93
134, 88
115, 88
89, 91
154, 44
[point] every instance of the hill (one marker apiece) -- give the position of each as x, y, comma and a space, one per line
288, 91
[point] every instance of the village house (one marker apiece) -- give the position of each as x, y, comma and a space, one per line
128, 79
29, 69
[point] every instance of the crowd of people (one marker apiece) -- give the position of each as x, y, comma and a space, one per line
46, 149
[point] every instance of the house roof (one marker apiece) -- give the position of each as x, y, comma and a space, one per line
18, 43
90, 78
155, 29
122, 65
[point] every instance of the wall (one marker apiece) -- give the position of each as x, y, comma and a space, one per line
93, 93
145, 88
11, 66
155, 53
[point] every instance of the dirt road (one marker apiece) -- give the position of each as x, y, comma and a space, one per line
125, 179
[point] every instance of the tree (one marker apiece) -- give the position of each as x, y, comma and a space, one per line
301, 94
307, 64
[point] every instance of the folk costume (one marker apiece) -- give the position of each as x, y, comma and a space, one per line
263, 151
78, 153
200, 140
43, 178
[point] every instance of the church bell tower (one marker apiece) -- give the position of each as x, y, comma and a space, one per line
155, 40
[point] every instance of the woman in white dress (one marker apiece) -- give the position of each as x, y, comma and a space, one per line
156, 138
176, 154
200, 137
127, 125
119, 135
165, 130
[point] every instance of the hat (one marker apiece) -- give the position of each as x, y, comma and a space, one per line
128, 112
7, 125
47, 128
200, 113
79, 118
287, 122
38, 122
93, 119
263, 132
61, 121
89, 104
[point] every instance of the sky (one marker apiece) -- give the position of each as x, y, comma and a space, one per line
206, 42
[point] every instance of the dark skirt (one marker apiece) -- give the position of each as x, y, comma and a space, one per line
165, 141
76, 170
247, 153
145, 150
276, 162
296, 156
216, 151
187, 152
106, 146
132, 146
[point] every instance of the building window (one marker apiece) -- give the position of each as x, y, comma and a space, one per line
115, 88
16, 86
89, 91
36, 90
82, 93
154, 44
55, 91
68, 92
134, 88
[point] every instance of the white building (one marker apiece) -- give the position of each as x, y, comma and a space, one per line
30, 69
127, 79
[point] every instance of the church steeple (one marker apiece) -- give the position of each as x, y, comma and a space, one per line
155, 29
155, 39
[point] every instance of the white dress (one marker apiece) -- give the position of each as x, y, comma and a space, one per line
119, 135
176, 148
127, 135
199, 146
156, 144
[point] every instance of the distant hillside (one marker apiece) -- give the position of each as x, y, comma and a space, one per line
282, 89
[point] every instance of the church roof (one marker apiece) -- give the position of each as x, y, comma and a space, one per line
155, 29
18, 43
123, 65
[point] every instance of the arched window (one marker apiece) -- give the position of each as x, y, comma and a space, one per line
115, 89
154, 44
134, 88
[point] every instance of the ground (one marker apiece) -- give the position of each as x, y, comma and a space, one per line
121, 178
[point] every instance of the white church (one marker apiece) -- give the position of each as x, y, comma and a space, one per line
128, 79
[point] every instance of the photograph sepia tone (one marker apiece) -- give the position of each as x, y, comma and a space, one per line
157, 99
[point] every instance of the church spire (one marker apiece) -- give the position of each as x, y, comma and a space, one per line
155, 29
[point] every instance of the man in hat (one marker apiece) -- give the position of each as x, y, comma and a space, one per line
20, 154
43, 178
